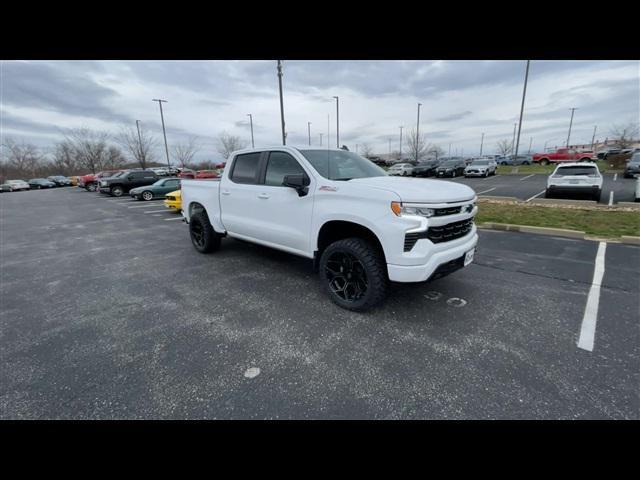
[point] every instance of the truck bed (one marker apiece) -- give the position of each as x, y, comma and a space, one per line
205, 192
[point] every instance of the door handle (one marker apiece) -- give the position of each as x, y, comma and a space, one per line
264, 195
226, 192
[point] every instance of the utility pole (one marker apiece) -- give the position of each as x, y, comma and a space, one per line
337, 122
320, 138
401, 142
389, 148
481, 143
513, 141
140, 140
593, 139
309, 128
524, 94
418, 133
166, 148
530, 143
570, 124
449, 150
251, 122
328, 132
284, 135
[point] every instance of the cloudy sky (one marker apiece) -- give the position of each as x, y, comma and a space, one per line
460, 100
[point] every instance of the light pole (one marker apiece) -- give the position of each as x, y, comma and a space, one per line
524, 93
449, 150
337, 122
320, 138
139, 138
251, 123
389, 148
309, 129
570, 124
530, 143
481, 143
593, 139
418, 133
166, 148
401, 142
284, 135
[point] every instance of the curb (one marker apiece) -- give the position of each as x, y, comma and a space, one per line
634, 205
494, 197
556, 232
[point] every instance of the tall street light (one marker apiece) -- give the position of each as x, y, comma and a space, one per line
309, 128
593, 139
139, 137
513, 142
481, 143
284, 135
401, 142
337, 122
570, 124
418, 133
524, 93
251, 123
166, 148
320, 138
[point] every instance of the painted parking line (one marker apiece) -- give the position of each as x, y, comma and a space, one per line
528, 176
485, 191
588, 328
535, 196
615, 177
611, 198
170, 219
157, 211
144, 205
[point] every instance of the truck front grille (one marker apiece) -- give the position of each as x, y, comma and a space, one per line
439, 234
441, 212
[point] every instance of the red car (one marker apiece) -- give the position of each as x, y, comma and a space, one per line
207, 174
90, 182
561, 155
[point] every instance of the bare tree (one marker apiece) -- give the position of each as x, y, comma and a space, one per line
141, 146
64, 157
416, 146
625, 135
23, 158
367, 150
90, 147
184, 152
505, 147
228, 143
435, 151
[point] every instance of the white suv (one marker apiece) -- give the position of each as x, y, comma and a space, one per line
403, 169
570, 178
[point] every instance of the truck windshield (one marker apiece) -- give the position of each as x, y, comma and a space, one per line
342, 164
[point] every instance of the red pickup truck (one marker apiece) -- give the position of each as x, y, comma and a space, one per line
561, 155
90, 182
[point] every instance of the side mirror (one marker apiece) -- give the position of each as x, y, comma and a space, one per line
299, 182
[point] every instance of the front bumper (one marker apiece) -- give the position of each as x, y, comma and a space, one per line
475, 174
106, 189
452, 251
173, 204
444, 174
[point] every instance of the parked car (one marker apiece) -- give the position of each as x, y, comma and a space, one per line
360, 227
583, 178
451, 168
38, 183
480, 168
17, 185
60, 180
117, 186
173, 200
402, 169
5, 187
633, 166
559, 156
511, 160
156, 190
74, 180
207, 174
187, 173
425, 169
637, 195
90, 182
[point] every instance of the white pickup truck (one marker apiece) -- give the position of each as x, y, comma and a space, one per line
360, 226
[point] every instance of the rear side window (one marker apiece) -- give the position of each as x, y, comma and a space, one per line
245, 168
279, 165
576, 170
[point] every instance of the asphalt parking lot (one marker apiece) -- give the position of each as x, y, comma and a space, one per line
615, 188
108, 312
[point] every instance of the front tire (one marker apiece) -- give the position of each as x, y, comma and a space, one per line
353, 273
147, 196
544, 162
203, 236
91, 187
116, 191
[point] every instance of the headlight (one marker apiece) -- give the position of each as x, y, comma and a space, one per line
399, 209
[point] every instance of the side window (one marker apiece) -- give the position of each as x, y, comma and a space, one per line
245, 168
172, 183
279, 165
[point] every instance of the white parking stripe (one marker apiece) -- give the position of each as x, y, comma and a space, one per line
158, 211
176, 218
535, 196
588, 329
615, 177
144, 205
611, 198
485, 191
528, 176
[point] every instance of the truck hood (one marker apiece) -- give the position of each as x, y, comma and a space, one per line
419, 190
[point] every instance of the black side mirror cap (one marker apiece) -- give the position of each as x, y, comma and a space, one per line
299, 181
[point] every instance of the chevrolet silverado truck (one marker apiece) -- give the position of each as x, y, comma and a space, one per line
361, 227
561, 155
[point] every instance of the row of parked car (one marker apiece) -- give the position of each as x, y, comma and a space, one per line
35, 183
450, 167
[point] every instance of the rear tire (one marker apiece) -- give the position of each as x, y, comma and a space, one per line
353, 273
597, 196
203, 236
544, 162
91, 187
116, 191
547, 193
147, 195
